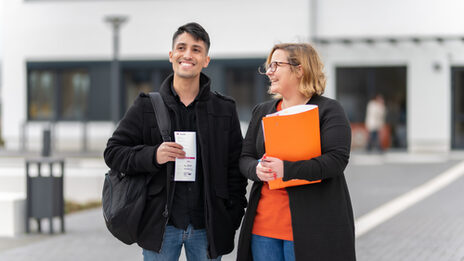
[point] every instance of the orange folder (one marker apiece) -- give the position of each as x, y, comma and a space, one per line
292, 134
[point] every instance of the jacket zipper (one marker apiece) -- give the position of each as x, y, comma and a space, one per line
166, 206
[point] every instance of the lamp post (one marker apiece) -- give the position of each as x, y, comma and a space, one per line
116, 21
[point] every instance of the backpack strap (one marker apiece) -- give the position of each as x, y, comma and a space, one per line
162, 115
164, 125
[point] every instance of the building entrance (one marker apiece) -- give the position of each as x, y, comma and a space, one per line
357, 85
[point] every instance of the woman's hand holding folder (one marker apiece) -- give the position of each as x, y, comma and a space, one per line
269, 168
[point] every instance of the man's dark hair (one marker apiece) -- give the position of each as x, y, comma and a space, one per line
195, 30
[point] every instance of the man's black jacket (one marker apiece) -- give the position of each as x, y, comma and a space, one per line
132, 149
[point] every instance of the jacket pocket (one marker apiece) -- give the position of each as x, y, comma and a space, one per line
156, 185
232, 213
154, 190
222, 193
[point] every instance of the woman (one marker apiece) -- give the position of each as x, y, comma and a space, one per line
309, 222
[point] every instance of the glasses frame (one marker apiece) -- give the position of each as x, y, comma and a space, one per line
273, 67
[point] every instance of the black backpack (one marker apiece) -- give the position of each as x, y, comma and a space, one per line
124, 196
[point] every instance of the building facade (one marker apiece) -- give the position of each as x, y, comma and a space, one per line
57, 62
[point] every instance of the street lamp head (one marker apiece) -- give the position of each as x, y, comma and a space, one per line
116, 20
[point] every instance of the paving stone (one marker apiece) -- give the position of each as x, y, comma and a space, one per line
432, 229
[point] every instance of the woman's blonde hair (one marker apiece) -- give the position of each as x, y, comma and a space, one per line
313, 80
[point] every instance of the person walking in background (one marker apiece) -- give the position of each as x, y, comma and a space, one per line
375, 120
309, 222
204, 211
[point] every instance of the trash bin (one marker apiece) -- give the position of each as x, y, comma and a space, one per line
44, 197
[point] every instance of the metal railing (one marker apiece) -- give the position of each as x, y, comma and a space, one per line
49, 136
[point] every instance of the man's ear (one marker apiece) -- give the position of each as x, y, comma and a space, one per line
208, 59
170, 56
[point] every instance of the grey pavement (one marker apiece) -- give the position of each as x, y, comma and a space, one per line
432, 229
86, 238
373, 185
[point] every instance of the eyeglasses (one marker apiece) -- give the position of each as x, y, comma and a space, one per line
272, 67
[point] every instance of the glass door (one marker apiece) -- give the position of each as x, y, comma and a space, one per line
356, 85
457, 108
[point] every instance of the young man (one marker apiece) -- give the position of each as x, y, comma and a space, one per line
201, 202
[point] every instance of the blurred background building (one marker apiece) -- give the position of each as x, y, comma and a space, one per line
56, 62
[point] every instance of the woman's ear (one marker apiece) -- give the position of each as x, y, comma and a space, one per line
299, 71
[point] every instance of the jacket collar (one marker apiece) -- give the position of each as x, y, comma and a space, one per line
169, 95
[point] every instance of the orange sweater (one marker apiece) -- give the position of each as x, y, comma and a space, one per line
273, 217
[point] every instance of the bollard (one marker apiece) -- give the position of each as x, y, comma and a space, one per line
46, 142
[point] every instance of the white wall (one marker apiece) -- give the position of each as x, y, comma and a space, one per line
429, 99
358, 18
1, 52
1, 29
75, 30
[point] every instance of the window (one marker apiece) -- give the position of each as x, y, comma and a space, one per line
247, 87
240, 85
42, 85
142, 79
58, 94
136, 81
81, 90
74, 94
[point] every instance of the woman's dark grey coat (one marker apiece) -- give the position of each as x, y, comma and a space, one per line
322, 216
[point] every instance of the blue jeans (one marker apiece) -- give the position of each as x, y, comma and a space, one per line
195, 242
271, 249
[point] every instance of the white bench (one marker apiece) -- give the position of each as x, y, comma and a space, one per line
12, 213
